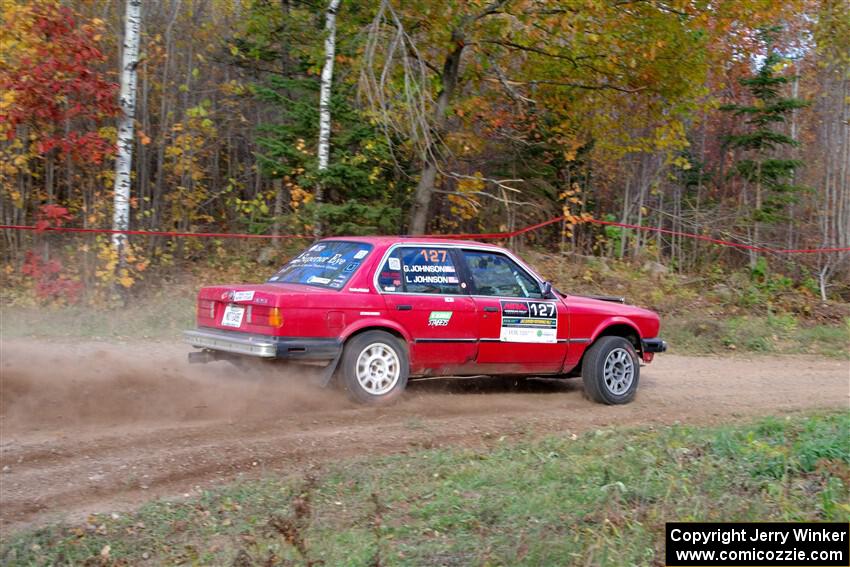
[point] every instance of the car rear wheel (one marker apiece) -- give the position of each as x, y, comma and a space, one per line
374, 368
611, 371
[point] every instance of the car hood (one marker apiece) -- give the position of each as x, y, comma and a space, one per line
608, 307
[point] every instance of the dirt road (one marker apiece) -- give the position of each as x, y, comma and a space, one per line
96, 427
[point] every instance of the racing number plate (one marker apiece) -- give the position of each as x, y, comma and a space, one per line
233, 316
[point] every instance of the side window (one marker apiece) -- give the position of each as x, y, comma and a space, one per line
419, 269
497, 275
389, 278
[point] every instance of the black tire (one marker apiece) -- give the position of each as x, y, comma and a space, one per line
373, 387
615, 388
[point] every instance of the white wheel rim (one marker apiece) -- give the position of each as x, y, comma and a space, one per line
378, 369
619, 372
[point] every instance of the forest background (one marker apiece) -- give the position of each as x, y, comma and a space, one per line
728, 119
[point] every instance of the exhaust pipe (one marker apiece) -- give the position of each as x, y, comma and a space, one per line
202, 357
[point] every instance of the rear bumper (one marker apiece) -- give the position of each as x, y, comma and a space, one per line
264, 346
653, 345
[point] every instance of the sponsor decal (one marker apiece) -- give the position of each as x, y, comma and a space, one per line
439, 318
429, 280
351, 267
395, 264
529, 322
243, 295
318, 280
430, 268
361, 254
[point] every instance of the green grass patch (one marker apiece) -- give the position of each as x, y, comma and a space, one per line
599, 499
780, 334
155, 318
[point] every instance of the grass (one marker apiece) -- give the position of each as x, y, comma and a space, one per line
158, 317
777, 334
599, 499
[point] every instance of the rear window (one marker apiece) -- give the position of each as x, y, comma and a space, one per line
328, 264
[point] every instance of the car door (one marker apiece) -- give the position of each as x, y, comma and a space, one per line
424, 293
520, 330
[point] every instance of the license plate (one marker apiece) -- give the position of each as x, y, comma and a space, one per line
233, 316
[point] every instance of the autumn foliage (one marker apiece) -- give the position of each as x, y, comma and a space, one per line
507, 112
51, 81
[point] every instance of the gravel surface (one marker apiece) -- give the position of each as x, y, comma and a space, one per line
98, 427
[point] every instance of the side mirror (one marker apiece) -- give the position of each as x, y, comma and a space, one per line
547, 290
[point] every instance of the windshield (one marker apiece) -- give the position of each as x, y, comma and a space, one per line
327, 264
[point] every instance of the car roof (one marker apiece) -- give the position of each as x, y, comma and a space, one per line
389, 240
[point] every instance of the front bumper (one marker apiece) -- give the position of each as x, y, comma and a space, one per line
653, 345
264, 346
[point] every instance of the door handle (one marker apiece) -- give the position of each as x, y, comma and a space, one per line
404, 307
491, 309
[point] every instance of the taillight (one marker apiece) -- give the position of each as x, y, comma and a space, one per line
275, 318
206, 308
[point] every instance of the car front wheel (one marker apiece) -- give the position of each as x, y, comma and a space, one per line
611, 371
374, 368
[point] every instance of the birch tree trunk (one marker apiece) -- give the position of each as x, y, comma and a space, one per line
325, 106
124, 157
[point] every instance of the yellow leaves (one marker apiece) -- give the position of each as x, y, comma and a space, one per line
299, 196
464, 201
681, 162
108, 272
108, 133
780, 66
7, 100
233, 87
375, 174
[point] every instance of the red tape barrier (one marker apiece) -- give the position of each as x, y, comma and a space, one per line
479, 236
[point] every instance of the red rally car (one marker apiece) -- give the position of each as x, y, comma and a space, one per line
380, 310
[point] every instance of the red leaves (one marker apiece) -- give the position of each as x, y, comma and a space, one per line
51, 216
50, 283
55, 83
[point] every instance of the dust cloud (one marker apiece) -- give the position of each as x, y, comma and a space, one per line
61, 385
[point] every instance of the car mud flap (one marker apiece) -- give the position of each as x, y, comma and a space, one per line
328, 373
